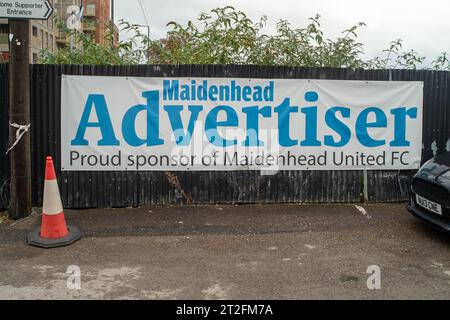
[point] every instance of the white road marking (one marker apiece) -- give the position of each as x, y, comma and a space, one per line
436, 264
215, 292
363, 211
161, 294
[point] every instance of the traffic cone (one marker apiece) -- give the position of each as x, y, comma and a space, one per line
54, 231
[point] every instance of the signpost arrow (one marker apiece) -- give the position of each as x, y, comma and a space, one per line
25, 9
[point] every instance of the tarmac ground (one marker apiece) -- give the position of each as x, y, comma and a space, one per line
231, 252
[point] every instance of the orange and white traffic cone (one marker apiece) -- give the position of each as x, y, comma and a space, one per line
53, 231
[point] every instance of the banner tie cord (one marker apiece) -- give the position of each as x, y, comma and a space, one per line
21, 130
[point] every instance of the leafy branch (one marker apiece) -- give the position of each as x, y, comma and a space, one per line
227, 36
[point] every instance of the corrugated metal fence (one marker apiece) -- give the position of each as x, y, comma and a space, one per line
4, 133
126, 189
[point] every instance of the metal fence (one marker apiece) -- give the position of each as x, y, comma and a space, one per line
4, 134
128, 189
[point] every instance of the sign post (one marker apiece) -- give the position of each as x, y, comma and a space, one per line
19, 115
25, 9
19, 13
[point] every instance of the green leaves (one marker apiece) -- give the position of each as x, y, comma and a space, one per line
397, 59
85, 50
442, 62
227, 36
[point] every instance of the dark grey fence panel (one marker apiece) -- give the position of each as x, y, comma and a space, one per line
394, 185
126, 189
4, 137
123, 189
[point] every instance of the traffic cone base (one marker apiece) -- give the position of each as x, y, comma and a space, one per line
54, 231
34, 238
53, 226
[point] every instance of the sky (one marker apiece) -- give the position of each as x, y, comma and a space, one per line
423, 25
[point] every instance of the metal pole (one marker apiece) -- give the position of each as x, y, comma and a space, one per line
148, 44
112, 23
19, 113
365, 186
148, 39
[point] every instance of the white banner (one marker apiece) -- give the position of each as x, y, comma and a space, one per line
131, 123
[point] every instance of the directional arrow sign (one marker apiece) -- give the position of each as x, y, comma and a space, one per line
25, 9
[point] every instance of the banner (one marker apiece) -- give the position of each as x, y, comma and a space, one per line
132, 123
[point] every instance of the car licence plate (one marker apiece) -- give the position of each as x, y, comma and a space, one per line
429, 205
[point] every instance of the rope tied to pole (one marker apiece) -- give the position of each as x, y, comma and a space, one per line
21, 130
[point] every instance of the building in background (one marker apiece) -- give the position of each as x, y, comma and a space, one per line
97, 21
43, 35
63, 12
4, 41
